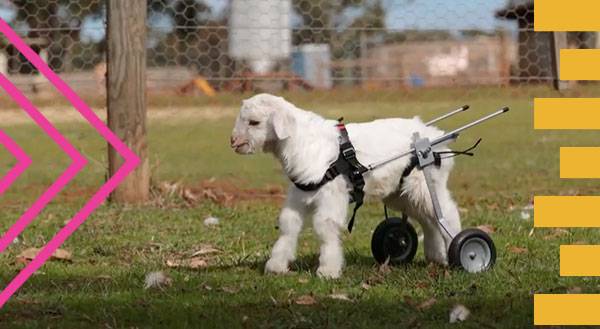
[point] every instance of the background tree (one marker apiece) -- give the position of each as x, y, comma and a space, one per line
53, 25
321, 20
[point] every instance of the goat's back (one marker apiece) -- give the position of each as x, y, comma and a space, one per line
380, 139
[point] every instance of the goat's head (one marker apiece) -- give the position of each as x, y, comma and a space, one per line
263, 121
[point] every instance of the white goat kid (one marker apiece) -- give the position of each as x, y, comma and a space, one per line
306, 144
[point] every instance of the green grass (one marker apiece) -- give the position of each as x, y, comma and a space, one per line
113, 251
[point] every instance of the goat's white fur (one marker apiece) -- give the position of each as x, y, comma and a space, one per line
306, 144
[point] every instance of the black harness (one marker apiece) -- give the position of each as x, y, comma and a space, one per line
346, 164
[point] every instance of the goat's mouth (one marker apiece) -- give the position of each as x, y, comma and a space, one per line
243, 148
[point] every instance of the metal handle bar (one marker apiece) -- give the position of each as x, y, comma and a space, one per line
449, 136
376, 165
454, 133
447, 115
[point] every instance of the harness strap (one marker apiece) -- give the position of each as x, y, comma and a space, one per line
330, 174
438, 159
335, 169
346, 164
355, 170
412, 164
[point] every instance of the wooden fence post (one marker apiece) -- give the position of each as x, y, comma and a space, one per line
126, 93
558, 41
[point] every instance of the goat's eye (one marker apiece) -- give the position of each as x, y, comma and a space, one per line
254, 123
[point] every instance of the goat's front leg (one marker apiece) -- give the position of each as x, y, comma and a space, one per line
290, 226
329, 220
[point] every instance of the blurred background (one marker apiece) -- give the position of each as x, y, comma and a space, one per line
209, 47
360, 59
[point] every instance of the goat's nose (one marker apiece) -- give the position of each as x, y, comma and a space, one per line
235, 141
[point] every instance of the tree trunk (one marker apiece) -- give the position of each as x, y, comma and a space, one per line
126, 89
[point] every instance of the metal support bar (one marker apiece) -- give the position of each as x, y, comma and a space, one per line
447, 115
425, 158
376, 165
437, 209
451, 135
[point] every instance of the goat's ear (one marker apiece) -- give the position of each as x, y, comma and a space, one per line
283, 124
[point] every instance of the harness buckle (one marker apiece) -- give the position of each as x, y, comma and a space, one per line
349, 153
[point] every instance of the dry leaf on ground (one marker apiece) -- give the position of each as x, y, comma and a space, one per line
517, 250
306, 300
59, 254
189, 196
556, 233
192, 263
427, 304
385, 267
62, 254
169, 188
206, 249
340, 297
489, 229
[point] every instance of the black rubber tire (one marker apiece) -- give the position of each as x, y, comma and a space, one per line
386, 239
470, 236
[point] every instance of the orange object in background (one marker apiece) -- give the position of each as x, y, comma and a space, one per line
198, 84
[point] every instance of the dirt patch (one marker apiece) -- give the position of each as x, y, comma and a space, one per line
222, 192
173, 194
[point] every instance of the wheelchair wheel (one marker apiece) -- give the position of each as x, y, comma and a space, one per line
396, 239
472, 250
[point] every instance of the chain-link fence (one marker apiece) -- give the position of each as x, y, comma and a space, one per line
226, 46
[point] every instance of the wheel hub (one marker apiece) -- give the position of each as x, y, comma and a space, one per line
475, 255
397, 244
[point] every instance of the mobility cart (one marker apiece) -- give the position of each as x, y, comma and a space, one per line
395, 239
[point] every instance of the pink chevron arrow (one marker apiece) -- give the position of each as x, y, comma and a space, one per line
131, 161
23, 162
78, 162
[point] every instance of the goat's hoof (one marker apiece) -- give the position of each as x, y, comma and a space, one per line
276, 266
438, 259
329, 272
